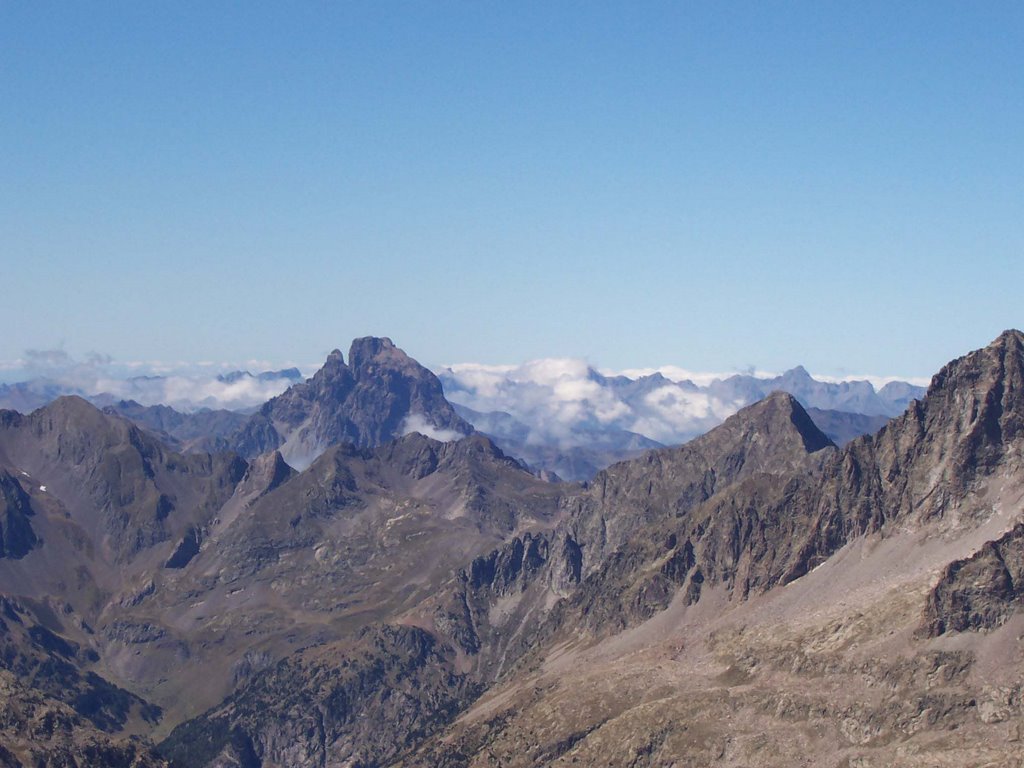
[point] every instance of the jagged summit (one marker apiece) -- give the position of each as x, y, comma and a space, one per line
379, 395
1001, 362
964, 427
365, 350
1010, 336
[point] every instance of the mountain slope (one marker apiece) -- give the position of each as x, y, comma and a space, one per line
750, 599
203, 430
882, 547
178, 577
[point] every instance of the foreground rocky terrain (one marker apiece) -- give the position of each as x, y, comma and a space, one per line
756, 597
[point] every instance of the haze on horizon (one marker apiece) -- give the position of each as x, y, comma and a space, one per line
763, 185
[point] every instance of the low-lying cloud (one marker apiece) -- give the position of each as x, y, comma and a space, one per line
566, 402
418, 423
151, 383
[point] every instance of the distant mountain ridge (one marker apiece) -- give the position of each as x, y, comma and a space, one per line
561, 417
566, 417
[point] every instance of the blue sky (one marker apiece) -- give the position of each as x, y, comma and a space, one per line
706, 184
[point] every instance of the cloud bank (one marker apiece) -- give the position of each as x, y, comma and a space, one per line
568, 403
97, 376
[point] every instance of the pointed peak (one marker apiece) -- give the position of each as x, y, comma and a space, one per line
799, 372
74, 408
778, 414
335, 358
267, 471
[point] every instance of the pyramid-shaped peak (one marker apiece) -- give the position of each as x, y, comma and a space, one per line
335, 358
74, 410
779, 416
799, 372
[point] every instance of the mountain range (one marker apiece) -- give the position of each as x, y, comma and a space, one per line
757, 596
561, 417
566, 417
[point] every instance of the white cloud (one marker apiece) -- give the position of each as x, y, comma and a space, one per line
566, 402
186, 386
417, 423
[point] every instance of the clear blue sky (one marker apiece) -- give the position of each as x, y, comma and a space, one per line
708, 184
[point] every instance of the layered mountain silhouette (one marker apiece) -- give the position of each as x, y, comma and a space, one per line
756, 597
565, 417
562, 417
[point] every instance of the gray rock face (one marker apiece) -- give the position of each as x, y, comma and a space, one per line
774, 435
120, 483
649, 539
979, 592
362, 703
637, 534
379, 395
16, 535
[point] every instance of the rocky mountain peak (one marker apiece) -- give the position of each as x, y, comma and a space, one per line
990, 365
781, 414
380, 395
773, 429
370, 349
75, 424
983, 393
267, 472
797, 373
71, 409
